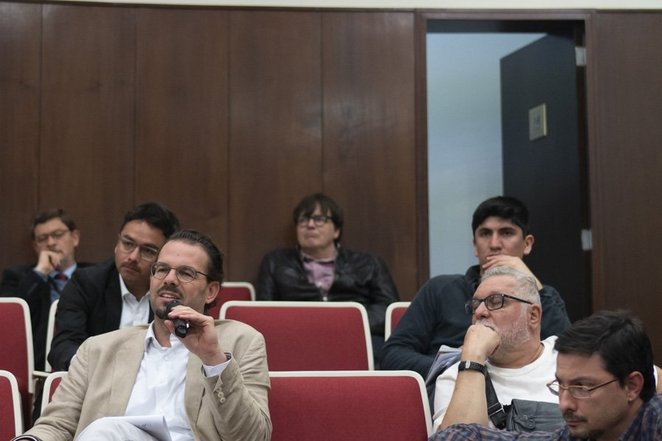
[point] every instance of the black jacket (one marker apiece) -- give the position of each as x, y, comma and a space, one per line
21, 281
359, 277
90, 304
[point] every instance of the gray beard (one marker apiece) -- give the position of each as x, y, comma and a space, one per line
512, 338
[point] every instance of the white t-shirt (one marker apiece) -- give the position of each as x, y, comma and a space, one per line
526, 383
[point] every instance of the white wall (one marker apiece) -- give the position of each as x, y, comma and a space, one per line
412, 4
464, 137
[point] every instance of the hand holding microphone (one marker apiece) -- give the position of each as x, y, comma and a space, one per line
198, 334
181, 326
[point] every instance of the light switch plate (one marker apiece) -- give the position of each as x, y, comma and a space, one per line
538, 122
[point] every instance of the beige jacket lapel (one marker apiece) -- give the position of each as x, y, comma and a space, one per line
194, 389
125, 366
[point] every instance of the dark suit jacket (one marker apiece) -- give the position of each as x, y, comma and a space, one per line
90, 304
21, 281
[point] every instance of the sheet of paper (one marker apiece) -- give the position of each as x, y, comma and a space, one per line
449, 350
155, 425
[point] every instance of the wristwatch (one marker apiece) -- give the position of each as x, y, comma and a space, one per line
471, 366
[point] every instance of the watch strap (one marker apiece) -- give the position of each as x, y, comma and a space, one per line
466, 365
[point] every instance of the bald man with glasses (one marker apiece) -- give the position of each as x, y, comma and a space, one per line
112, 294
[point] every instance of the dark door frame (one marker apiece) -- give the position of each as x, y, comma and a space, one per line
487, 21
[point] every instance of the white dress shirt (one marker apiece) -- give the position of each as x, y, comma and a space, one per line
160, 385
134, 311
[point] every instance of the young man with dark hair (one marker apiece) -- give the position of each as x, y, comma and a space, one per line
112, 294
605, 384
319, 269
437, 315
54, 239
610, 351
211, 383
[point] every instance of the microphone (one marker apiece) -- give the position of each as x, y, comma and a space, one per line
181, 326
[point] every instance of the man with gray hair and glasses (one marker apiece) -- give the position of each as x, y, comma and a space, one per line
604, 382
504, 341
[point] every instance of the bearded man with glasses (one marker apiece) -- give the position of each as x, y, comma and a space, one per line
209, 384
112, 294
504, 341
605, 383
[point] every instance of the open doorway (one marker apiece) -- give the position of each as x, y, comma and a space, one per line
483, 76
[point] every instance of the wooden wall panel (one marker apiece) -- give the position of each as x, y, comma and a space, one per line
20, 46
625, 107
87, 132
369, 135
275, 149
182, 117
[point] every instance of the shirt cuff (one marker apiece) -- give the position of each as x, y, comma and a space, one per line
42, 276
212, 371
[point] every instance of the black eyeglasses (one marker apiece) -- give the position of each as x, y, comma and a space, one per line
184, 273
575, 391
147, 253
318, 219
56, 235
492, 302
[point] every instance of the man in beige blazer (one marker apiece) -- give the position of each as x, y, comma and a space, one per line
211, 384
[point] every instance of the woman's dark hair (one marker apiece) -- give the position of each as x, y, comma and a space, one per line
328, 207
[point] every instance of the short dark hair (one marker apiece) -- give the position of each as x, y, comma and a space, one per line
307, 205
620, 340
505, 207
155, 214
215, 265
54, 213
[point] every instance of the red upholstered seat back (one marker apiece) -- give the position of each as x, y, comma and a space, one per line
11, 412
16, 347
232, 291
394, 313
332, 406
50, 385
309, 335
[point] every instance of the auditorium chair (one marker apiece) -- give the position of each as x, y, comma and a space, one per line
349, 405
308, 335
394, 313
